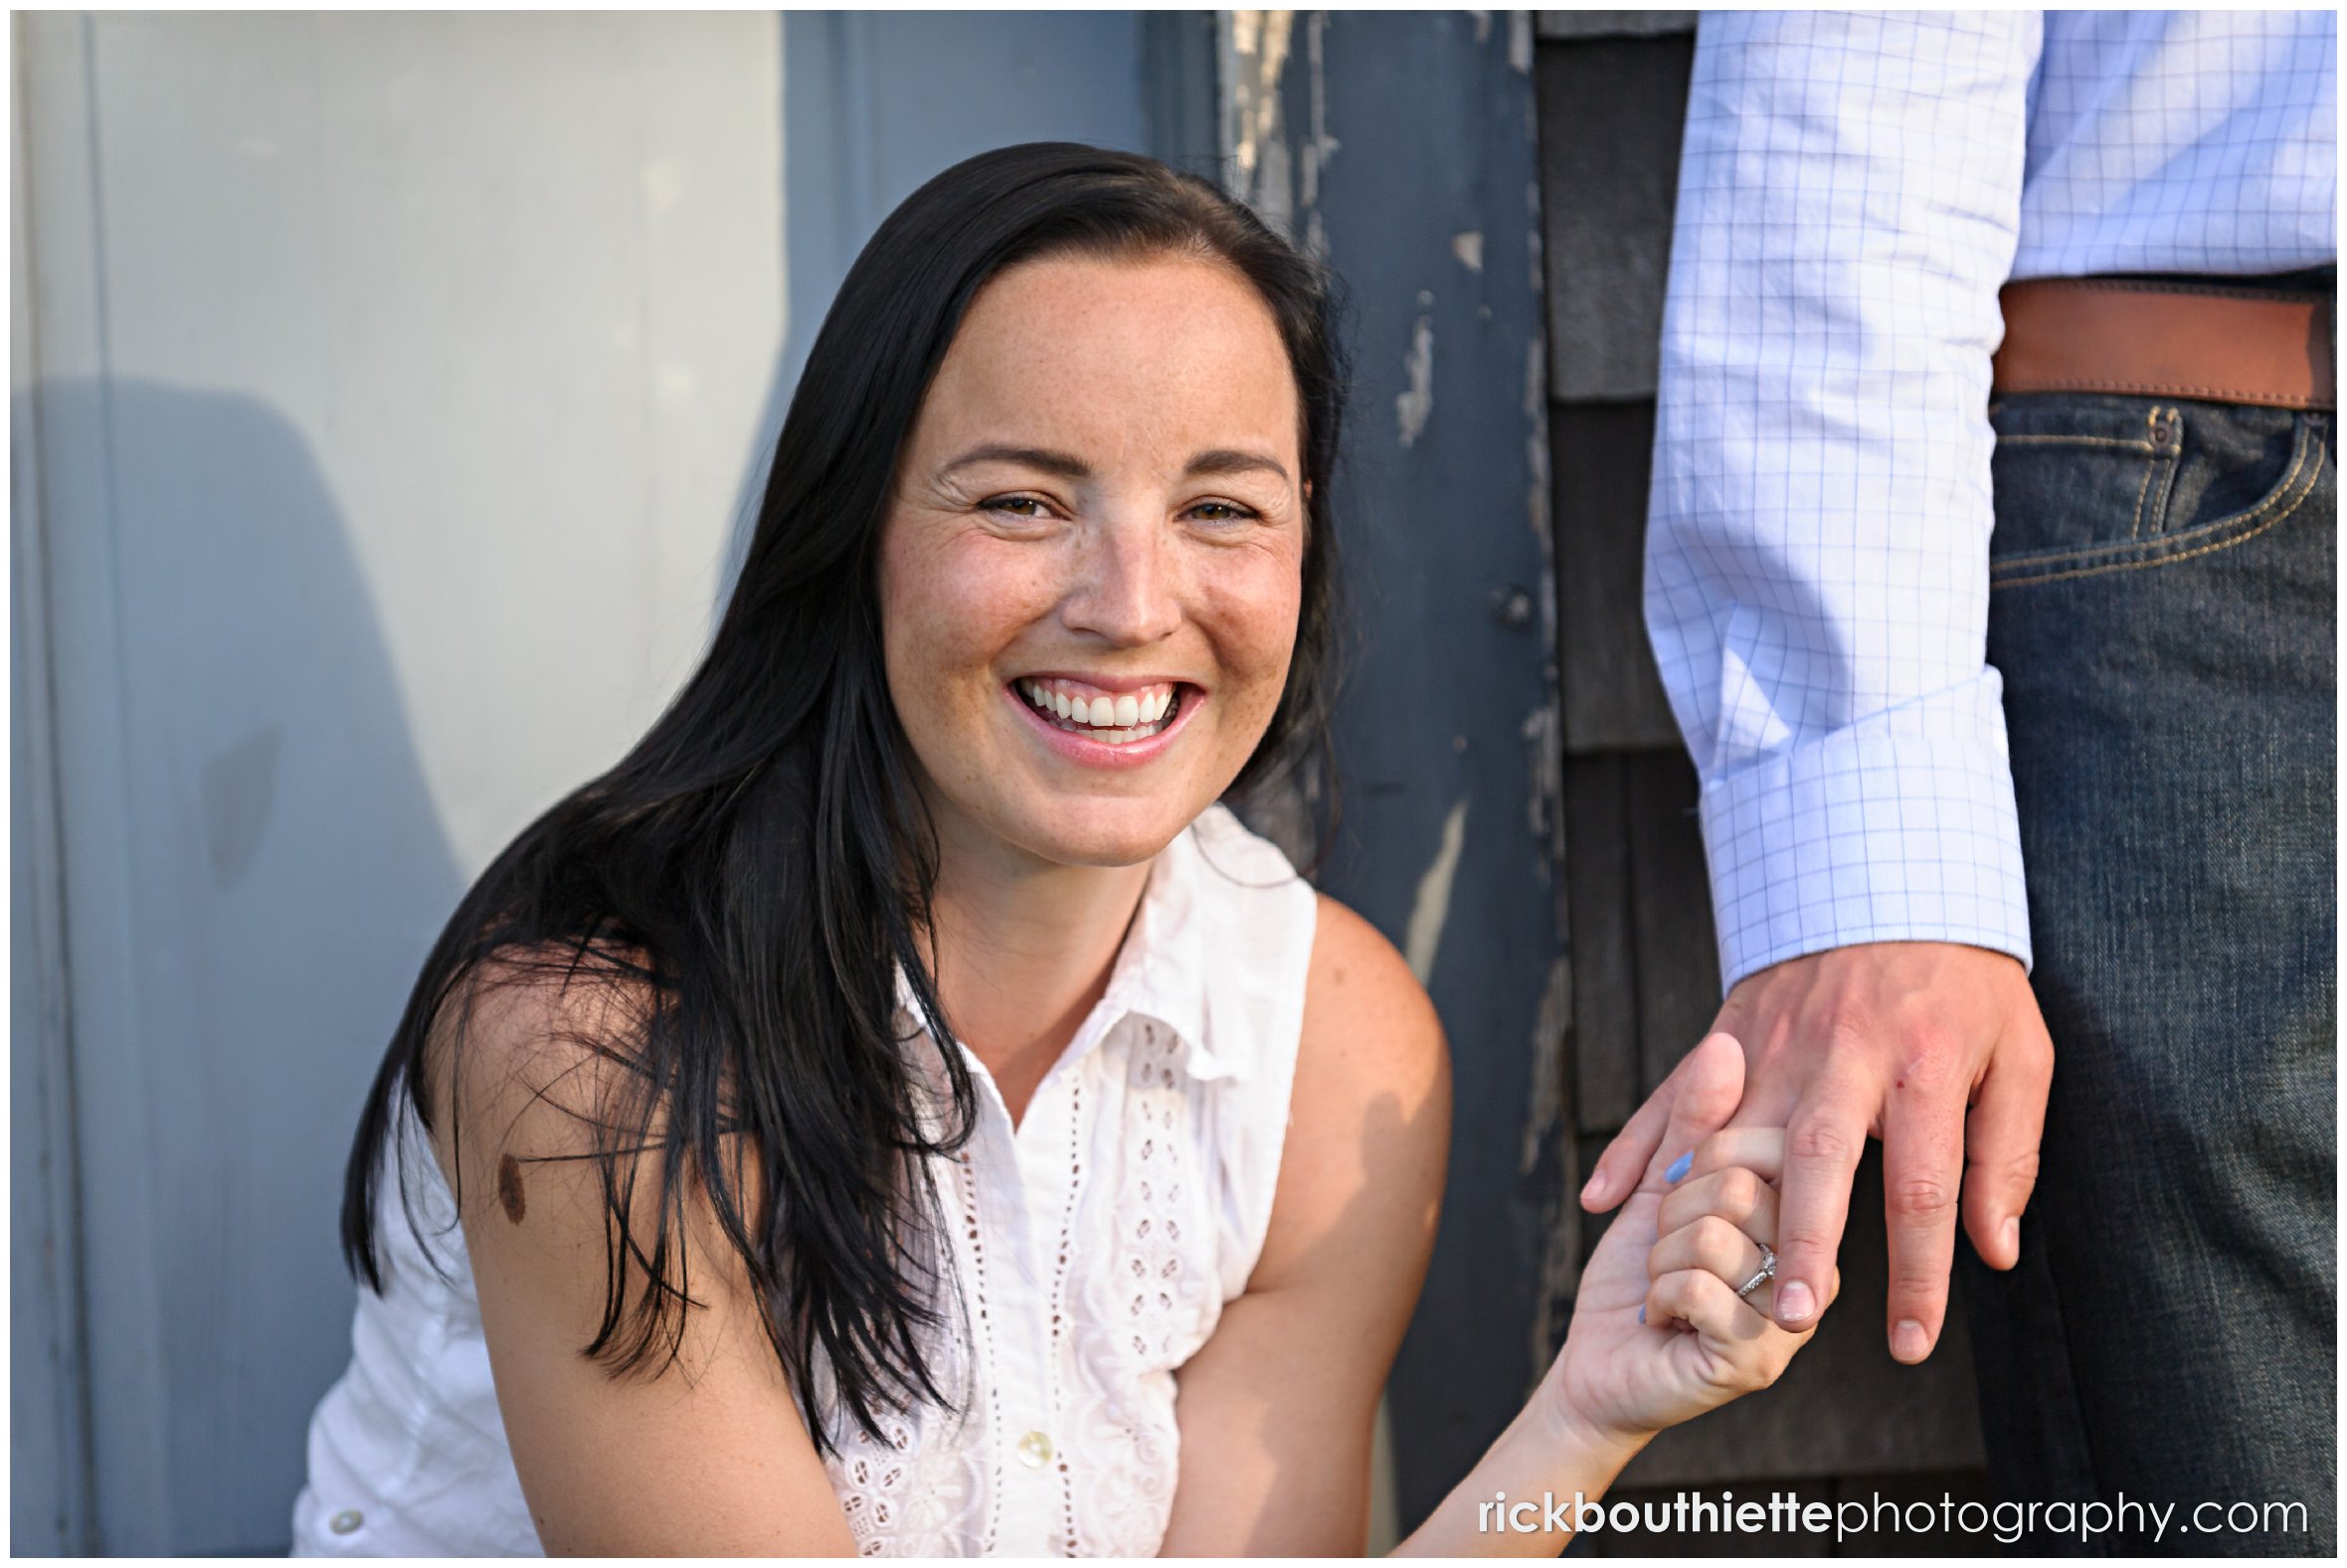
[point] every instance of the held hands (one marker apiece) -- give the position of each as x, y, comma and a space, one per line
1658, 1334
1936, 1048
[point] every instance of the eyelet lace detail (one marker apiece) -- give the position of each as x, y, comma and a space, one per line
1150, 1302
1130, 1289
922, 1492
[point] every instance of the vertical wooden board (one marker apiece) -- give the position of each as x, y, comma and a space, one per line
1551, 1167
1611, 113
1611, 693
125, 1463
1605, 1042
1405, 138
1671, 912
49, 1455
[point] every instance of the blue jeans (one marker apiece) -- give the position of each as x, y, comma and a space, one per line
2163, 612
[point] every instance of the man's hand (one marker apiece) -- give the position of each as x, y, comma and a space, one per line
1933, 1047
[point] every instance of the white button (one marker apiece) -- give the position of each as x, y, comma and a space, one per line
1034, 1451
346, 1521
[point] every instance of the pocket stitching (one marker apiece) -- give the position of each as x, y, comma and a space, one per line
2309, 445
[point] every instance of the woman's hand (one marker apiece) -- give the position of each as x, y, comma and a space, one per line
1658, 1334
1686, 1238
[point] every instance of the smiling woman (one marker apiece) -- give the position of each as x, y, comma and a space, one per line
1140, 540
897, 1107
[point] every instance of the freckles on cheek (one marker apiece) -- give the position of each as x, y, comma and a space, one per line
950, 601
1257, 617
996, 584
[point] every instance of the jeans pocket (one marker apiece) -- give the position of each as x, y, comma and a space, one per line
2085, 485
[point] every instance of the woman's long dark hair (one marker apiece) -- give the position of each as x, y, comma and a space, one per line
752, 875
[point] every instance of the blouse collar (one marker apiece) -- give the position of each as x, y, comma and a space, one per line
1167, 969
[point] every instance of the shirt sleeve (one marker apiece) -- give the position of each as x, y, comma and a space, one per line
1817, 551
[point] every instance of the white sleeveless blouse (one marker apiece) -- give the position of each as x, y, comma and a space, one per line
1093, 1247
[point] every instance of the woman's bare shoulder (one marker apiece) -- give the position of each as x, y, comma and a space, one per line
535, 1075
1362, 1005
1370, 1113
554, 1027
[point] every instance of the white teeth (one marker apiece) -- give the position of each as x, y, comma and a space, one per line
1116, 721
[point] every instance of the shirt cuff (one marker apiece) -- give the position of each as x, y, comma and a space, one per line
1899, 827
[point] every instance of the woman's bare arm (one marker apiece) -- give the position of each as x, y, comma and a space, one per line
707, 1456
1277, 1410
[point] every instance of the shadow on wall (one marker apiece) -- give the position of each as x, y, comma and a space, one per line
278, 877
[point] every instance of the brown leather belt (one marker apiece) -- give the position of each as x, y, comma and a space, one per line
2209, 341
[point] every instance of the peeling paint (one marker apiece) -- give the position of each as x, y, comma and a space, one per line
1422, 938
1549, 1102
1414, 404
1545, 753
1468, 248
1256, 44
1520, 43
1318, 146
1531, 241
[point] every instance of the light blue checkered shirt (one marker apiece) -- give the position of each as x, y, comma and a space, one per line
1854, 191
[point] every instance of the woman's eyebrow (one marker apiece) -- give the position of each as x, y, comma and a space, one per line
1226, 460
1054, 463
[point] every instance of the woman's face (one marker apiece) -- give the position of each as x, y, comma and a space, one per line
1091, 568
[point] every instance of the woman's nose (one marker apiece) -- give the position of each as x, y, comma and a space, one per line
1126, 589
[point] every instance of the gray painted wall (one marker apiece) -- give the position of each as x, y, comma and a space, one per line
390, 380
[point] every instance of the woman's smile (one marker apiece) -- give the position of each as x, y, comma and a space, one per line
1105, 723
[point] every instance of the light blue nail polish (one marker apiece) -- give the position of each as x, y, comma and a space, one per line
1679, 1166
1642, 1314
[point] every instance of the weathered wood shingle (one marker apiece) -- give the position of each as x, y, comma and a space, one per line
1610, 119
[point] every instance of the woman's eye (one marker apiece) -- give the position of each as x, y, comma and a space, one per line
1018, 505
1220, 512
